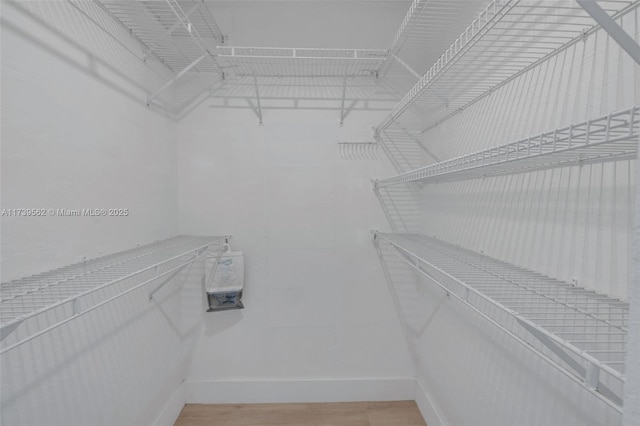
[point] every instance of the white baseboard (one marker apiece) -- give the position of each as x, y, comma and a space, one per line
171, 410
299, 390
427, 408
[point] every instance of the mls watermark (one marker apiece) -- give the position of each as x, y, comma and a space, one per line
50, 212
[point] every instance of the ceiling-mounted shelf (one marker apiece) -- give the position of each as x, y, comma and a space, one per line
301, 62
506, 39
176, 32
68, 292
610, 138
578, 331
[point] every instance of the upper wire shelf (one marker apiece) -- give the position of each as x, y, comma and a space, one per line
426, 31
610, 138
506, 39
301, 62
177, 32
578, 331
78, 288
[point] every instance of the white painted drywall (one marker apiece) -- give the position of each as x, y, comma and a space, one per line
317, 306
71, 139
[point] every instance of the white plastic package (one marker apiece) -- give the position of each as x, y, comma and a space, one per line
224, 280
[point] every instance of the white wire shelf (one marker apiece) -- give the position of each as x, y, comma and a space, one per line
578, 331
301, 62
610, 138
427, 30
506, 39
76, 289
177, 32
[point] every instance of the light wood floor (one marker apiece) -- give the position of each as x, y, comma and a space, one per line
396, 413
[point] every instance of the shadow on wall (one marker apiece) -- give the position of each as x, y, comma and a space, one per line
83, 36
216, 322
408, 292
289, 93
88, 39
573, 224
129, 354
402, 206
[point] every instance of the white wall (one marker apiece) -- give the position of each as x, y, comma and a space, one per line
317, 306
566, 223
72, 138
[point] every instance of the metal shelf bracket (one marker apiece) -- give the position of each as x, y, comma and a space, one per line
258, 111
612, 28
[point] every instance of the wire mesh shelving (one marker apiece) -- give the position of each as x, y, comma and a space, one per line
581, 332
609, 138
50, 299
426, 31
177, 32
301, 62
506, 39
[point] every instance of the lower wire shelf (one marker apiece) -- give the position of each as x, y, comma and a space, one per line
67, 293
578, 331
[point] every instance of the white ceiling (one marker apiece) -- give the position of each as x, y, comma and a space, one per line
367, 24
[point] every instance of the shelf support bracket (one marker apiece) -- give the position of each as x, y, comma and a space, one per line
588, 375
188, 13
6, 330
174, 79
612, 28
419, 143
167, 280
259, 111
418, 76
196, 256
344, 95
406, 66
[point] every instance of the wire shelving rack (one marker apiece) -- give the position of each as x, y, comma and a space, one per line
508, 38
609, 138
578, 331
69, 292
177, 32
426, 30
301, 62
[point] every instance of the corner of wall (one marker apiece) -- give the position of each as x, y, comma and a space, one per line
299, 390
171, 410
427, 407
